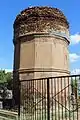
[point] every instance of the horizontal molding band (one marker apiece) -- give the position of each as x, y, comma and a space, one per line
43, 34
41, 70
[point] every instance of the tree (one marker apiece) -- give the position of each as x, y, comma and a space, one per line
5, 77
2, 76
9, 80
74, 85
5, 84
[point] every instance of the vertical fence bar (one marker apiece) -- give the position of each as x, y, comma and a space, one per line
42, 97
58, 99
33, 83
27, 86
77, 95
19, 98
61, 82
55, 97
48, 100
32, 98
45, 96
52, 87
78, 100
72, 82
68, 97
65, 98
37, 99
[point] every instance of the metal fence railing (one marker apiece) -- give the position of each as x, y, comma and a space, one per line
54, 98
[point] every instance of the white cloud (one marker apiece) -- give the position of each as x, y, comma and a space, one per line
75, 39
8, 70
75, 72
74, 57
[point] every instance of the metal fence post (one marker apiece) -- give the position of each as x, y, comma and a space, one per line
19, 89
48, 100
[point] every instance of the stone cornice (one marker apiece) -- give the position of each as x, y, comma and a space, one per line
41, 70
32, 35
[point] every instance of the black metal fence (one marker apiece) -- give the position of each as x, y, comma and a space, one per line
54, 98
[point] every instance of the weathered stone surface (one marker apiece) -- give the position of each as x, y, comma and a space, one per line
41, 39
39, 19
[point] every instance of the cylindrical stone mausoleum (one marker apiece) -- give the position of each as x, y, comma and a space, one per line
41, 39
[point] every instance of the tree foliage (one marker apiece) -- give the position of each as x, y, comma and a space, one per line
5, 83
5, 79
74, 83
5, 76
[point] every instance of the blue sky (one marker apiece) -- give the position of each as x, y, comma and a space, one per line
8, 11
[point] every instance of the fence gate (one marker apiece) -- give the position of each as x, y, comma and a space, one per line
55, 98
